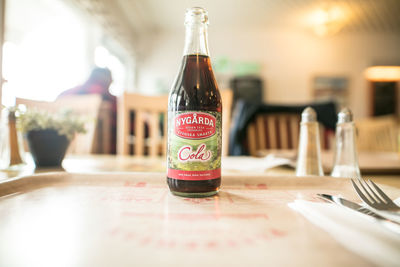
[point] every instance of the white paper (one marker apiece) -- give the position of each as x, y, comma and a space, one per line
394, 216
253, 164
359, 233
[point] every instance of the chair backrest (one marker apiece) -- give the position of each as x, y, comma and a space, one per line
278, 131
377, 134
87, 106
227, 100
138, 124
104, 130
276, 126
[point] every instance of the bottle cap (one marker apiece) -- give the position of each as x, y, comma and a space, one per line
196, 15
308, 115
345, 115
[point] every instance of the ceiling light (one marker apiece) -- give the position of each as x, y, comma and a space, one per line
383, 73
327, 21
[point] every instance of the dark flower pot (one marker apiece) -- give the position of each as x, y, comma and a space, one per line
47, 147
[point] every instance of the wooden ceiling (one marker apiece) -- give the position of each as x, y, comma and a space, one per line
133, 20
359, 15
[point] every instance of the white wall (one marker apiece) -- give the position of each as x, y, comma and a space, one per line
289, 60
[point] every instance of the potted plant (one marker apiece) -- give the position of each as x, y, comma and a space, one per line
49, 134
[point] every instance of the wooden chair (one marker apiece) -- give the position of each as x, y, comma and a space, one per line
266, 126
227, 99
102, 134
145, 112
279, 131
87, 106
377, 134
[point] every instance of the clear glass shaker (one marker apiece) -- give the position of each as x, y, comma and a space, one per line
309, 152
346, 158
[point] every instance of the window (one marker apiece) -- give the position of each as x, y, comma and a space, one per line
50, 46
105, 59
45, 52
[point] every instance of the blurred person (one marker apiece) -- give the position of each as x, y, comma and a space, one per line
99, 82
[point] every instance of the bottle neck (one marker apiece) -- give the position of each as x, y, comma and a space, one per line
196, 40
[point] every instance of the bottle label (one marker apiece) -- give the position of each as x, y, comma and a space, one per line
194, 145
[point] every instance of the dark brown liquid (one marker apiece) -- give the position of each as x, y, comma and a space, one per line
195, 89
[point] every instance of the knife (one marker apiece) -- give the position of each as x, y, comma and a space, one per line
349, 204
354, 206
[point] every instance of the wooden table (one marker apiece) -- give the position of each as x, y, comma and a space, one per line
111, 163
117, 211
383, 167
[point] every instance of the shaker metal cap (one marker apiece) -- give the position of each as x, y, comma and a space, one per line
345, 115
196, 15
308, 115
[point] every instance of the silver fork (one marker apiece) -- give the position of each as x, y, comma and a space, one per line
373, 196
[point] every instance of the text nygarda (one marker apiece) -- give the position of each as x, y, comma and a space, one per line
195, 125
203, 119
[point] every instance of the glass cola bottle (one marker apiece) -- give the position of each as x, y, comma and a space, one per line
194, 117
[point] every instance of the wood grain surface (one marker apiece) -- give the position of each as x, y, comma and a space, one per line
131, 219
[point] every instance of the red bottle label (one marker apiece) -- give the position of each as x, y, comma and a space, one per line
194, 125
194, 145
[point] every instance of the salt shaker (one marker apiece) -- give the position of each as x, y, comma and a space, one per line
309, 153
346, 159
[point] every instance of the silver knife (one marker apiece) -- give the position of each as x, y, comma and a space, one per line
349, 204
354, 206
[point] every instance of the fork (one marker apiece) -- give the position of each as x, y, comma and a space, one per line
373, 196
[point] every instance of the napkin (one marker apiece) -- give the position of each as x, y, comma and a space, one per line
394, 216
254, 164
358, 232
